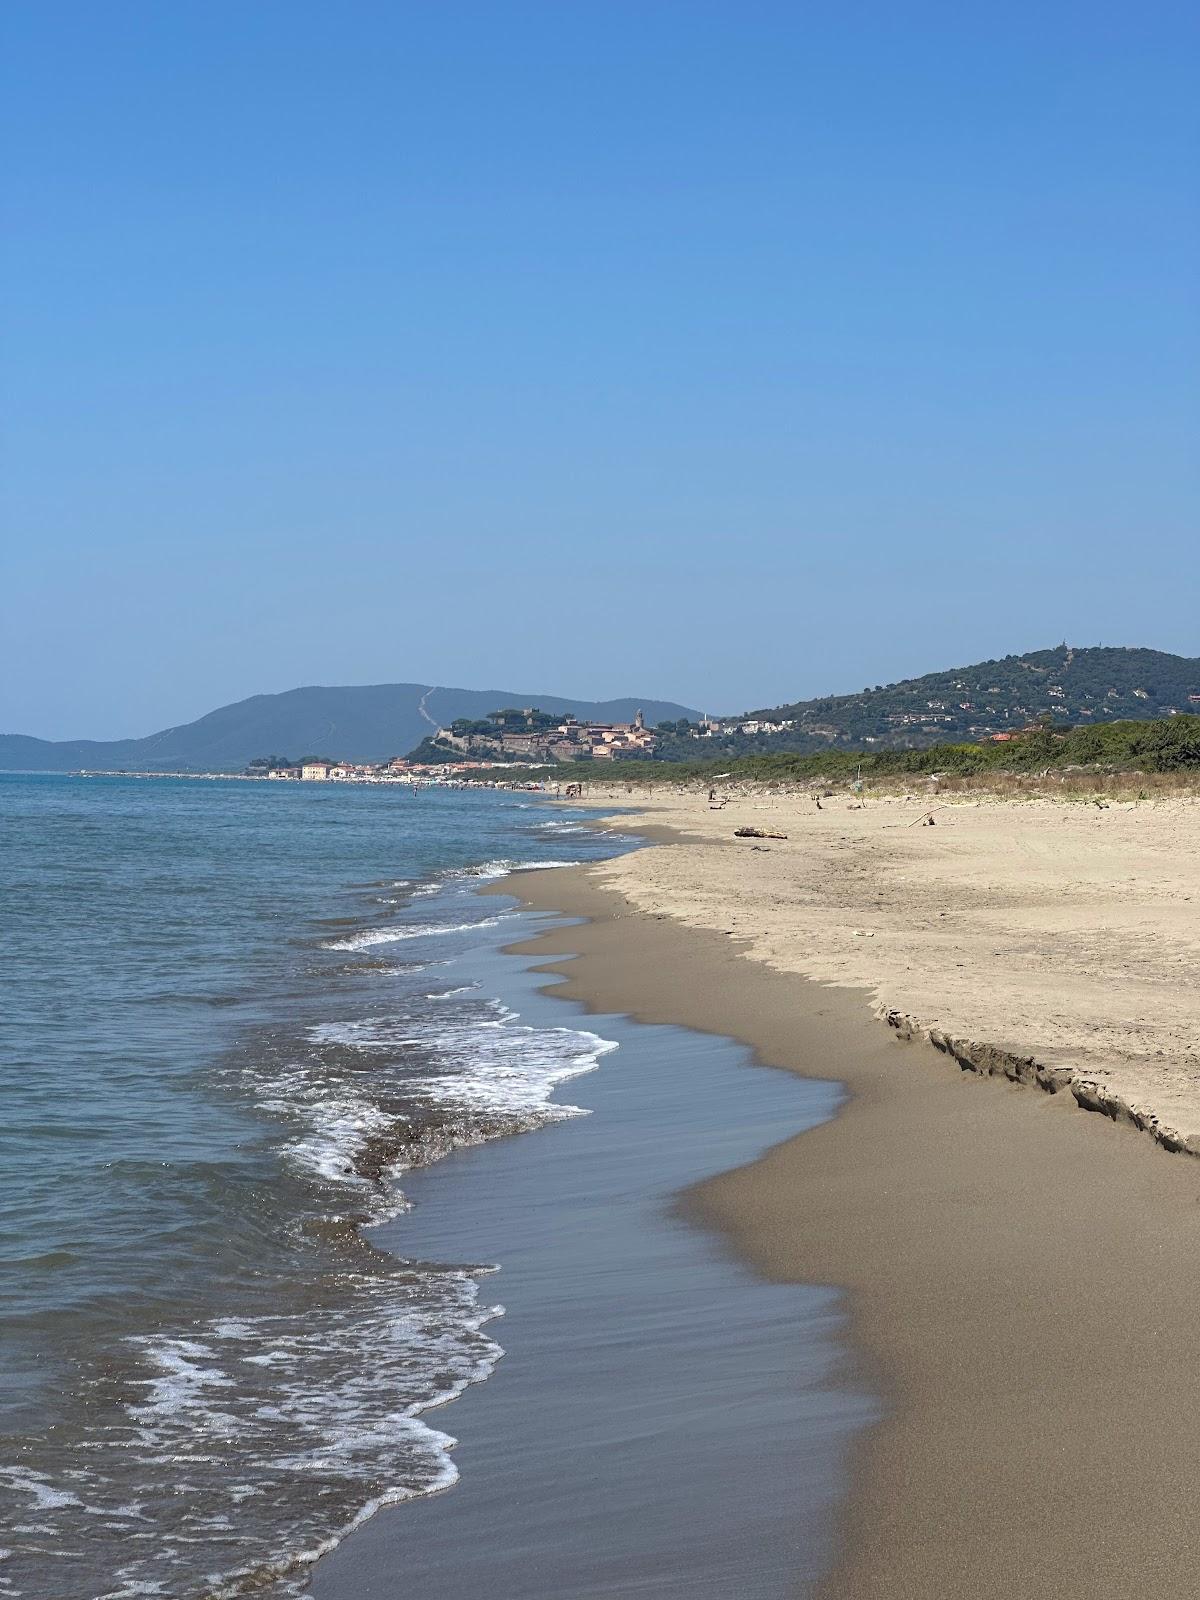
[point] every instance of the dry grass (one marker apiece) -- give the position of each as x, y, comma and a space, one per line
1082, 785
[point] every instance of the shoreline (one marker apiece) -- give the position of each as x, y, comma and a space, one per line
662, 1420
1019, 1280
1009, 927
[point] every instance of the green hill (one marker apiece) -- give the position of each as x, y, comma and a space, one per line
1094, 685
1161, 745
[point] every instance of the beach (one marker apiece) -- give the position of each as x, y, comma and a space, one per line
865, 1325
1019, 1277
1055, 942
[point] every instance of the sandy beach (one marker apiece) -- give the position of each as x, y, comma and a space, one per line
1056, 942
1020, 1278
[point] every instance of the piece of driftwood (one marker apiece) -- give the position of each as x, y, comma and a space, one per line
756, 833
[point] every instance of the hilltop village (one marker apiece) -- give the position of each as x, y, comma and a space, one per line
513, 737
527, 734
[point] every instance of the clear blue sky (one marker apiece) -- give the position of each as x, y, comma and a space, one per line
724, 352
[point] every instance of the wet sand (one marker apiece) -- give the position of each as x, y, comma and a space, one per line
1021, 1279
664, 1421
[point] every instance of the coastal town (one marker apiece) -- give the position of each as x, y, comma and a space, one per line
527, 734
509, 738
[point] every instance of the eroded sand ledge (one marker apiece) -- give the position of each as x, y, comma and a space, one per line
1056, 944
1021, 1280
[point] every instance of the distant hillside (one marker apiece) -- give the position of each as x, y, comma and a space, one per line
365, 723
1093, 685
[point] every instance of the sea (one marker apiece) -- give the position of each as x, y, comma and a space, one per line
236, 1015
263, 1201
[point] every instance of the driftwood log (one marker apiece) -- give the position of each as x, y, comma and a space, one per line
756, 833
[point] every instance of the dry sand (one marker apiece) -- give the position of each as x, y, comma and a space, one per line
1022, 1279
1048, 940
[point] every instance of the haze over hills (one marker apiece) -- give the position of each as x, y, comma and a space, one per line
367, 722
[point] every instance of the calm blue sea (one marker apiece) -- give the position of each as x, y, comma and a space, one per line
235, 1015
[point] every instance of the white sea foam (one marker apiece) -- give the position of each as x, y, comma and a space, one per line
542, 866
489, 1063
44, 1495
337, 1119
308, 1406
506, 1067
400, 969
416, 930
485, 1072
507, 864
186, 1372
